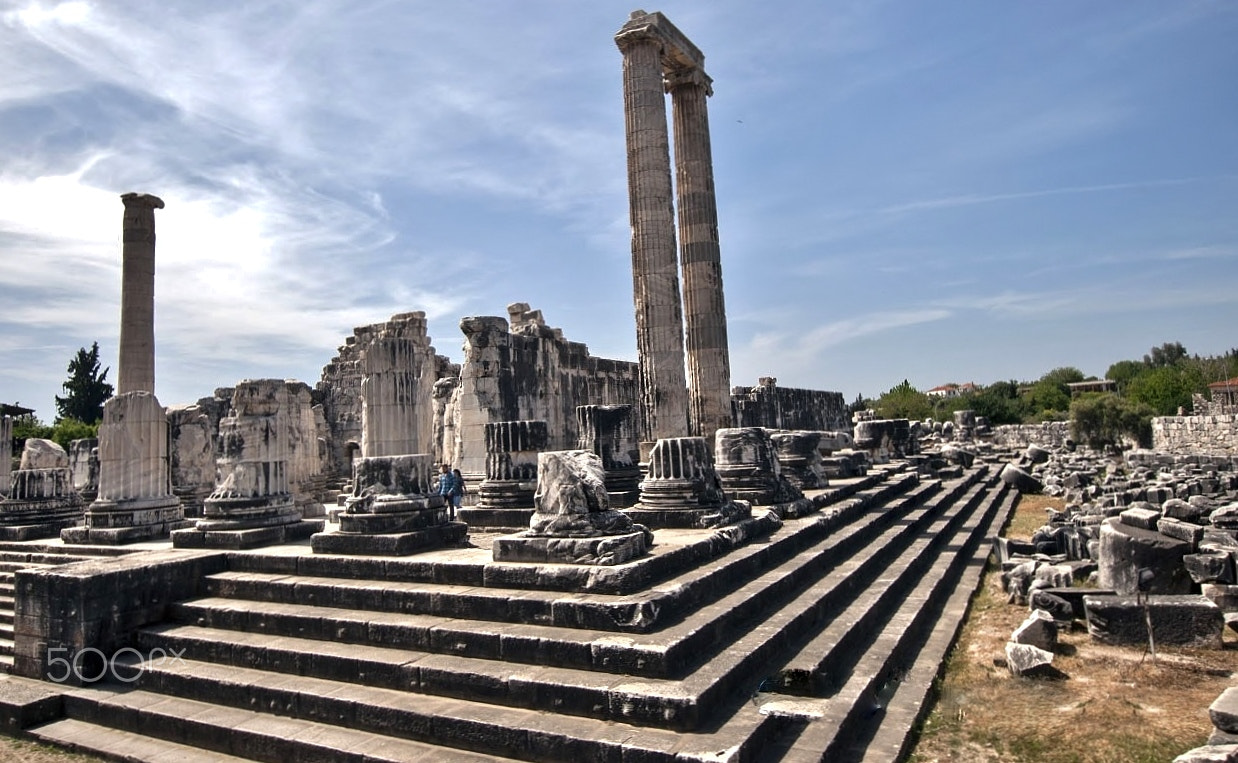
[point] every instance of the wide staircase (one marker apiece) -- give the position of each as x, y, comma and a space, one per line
16, 556
819, 640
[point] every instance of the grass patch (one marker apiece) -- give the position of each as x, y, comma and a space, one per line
1115, 706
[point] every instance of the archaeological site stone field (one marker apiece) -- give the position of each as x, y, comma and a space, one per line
648, 564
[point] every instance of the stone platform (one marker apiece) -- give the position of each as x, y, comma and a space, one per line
128, 522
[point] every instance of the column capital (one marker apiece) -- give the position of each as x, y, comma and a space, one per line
689, 76
141, 200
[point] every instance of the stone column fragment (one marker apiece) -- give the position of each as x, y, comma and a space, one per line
6, 452
41, 500
512, 448
682, 488
607, 431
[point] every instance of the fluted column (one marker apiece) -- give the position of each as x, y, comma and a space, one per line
709, 361
137, 294
655, 270
6, 453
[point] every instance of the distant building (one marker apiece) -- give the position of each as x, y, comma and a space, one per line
1095, 385
1224, 395
952, 390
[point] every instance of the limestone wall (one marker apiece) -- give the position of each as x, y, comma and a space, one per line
1196, 434
773, 407
1049, 434
339, 389
523, 372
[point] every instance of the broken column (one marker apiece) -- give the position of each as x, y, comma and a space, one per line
682, 489
252, 504
84, 464
394, 510
799, 458
748, 467
135, 500
655, 269
607, 431
41, 500
397, 387
573, 522
505, 496
191, 456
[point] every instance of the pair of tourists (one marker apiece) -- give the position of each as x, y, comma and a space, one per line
451, 487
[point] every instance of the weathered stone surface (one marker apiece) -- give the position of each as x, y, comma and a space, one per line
682, 488
885, 439
1189, 620
749, 469
1177, 508
1020, 480
1026, 659
43, 454
1038, 630
1223, 753
40, 498
1060, 608
1179, 530
1143, 518
602, 550
135, 500
1224, 596
191, 456
1225, 517
136, 371
1036, 454
610, 432
1223, 712
1125, 552
799, 459
1210, 567
787, 408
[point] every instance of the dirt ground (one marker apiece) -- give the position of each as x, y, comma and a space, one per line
1111, 705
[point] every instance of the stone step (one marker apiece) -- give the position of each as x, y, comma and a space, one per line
6, 642
6, 663
841, 726
892, 738
114, 744
678, 704
682, 560
344, 722
673, 650
9, 567
641, 612
819, 661
79, 551
8, 589
210, 732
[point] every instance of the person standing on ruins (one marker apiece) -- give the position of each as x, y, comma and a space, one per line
447, 487
457, 492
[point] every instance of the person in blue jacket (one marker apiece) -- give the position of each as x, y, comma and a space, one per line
447, 487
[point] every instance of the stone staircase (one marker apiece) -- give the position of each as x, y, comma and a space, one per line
817, 640
16, 556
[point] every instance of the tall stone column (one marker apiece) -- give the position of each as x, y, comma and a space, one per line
655, 270
709, 360
6, 453
137, 294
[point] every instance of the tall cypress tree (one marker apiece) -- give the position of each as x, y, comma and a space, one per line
86, 389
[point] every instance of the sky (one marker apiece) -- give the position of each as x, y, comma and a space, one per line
938, 192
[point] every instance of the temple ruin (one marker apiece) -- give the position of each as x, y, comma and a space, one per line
649, 564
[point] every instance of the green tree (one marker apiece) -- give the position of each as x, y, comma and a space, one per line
1124, 371
999, 403
67, 430
904, 402
1164, 389
1106, 419
29, 425
87, 388
1167, 354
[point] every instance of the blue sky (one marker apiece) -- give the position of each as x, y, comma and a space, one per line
945, 191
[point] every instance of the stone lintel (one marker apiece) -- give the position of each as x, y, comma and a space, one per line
678, 52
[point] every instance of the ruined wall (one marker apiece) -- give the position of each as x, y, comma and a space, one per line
339, 390
773, 407
1196, 434
1048, 434
528, 372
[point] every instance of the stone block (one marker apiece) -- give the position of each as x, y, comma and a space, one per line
1210, 567
1224, 596
1223, 712
1027, 660
1020, 480
1038, 630
1190, 620
1180, 530
1127, 552
1145, 519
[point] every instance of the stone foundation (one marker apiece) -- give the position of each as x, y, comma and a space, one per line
1196, 434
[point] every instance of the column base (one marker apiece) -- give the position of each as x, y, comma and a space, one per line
390, 544
37, 531
130, 521
603, 550
696, 518
515, 520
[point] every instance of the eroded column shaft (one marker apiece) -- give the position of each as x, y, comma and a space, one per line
655, 271
709, 361
137, 294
